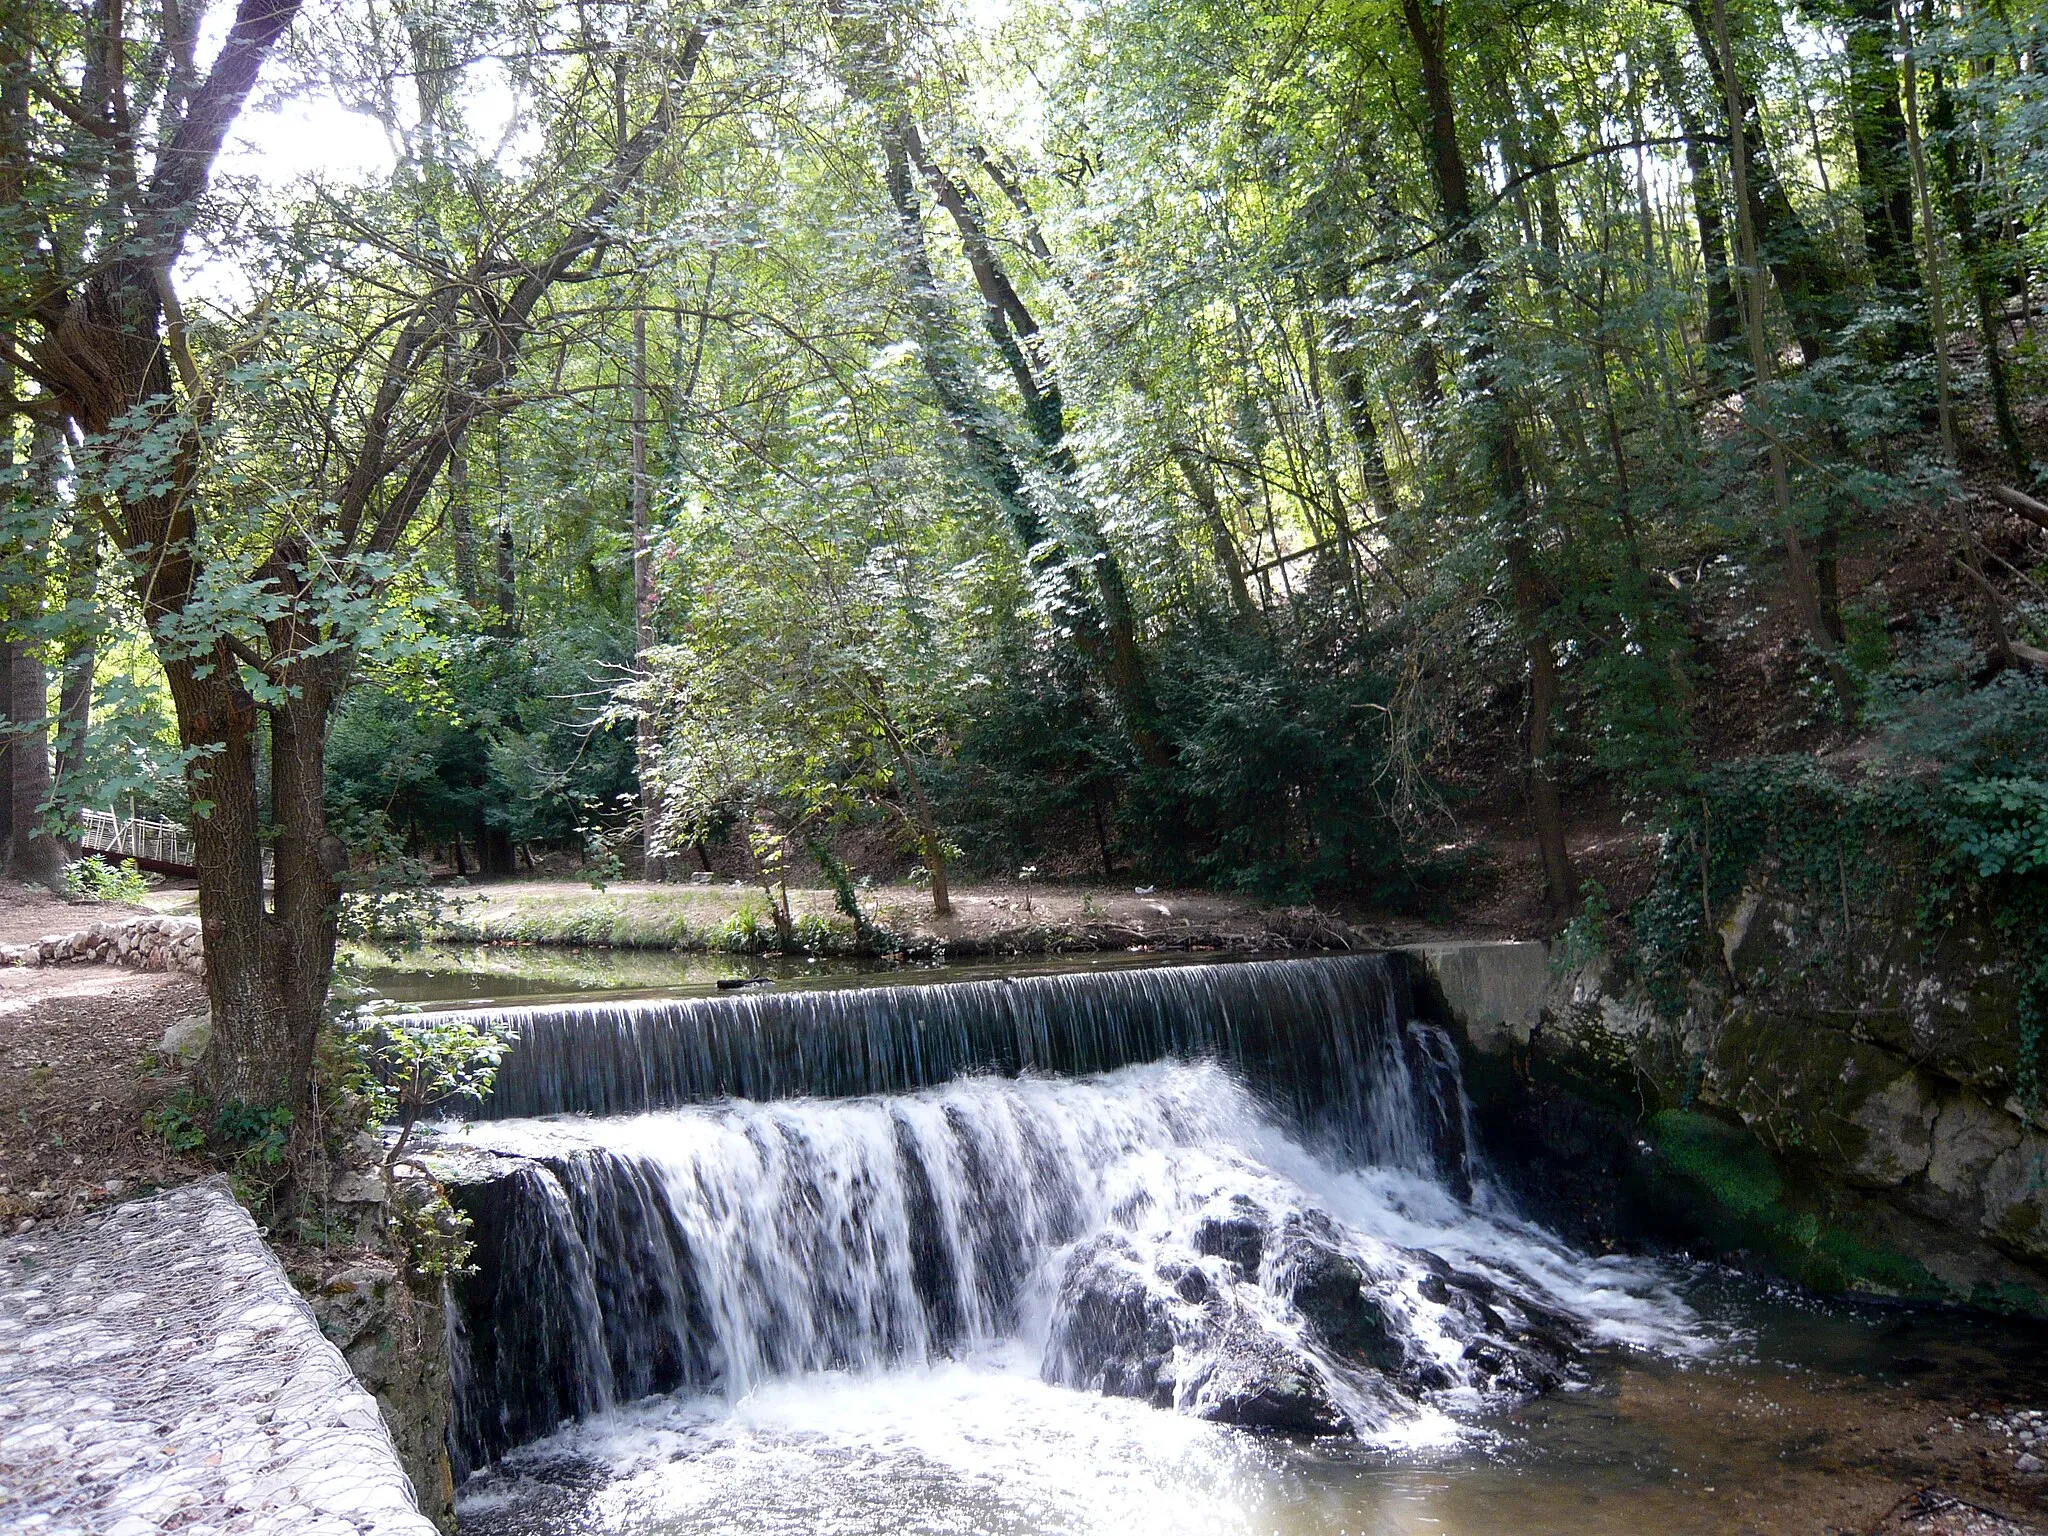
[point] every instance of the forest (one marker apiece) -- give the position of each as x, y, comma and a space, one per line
1280, 447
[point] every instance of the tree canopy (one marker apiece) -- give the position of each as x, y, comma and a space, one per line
1205, 441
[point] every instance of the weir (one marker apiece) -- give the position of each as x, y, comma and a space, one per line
1139, 1178
1330, 1043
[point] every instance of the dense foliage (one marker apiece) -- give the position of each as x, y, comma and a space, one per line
1152, 438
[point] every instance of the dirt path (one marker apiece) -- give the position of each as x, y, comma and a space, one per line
75, 1081
29, 912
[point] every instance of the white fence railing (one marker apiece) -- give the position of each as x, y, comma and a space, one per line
136, 837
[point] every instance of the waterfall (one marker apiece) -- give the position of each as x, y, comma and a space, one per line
1241, 1191
1330, 1042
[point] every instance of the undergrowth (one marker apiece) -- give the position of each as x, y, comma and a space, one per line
1949, 819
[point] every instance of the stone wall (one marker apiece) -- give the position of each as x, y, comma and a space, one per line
147, 943
158, 1373
1848, 1116
394, 1337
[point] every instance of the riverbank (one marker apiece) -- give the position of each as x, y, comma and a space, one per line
986, 920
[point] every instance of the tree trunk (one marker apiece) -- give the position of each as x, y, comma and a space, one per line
462, 526
1501, 445
1806, 591
1937, 307
1349, 366
1884, 191
1706, 202
507, 582
32, 853
653, 866
306, 861
249, 1052
1222, 543
1808, 281
81, 655
1985, 261
1015, 332
1103, 628
927, 824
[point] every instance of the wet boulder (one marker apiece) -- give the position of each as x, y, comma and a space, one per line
1237, 1233
1112, 1327
1250, 1376
1336, 1297
1183, 1331
1512, 1343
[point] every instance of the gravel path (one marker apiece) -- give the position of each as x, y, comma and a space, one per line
158, 1372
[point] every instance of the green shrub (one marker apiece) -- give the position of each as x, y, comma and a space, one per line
94, 878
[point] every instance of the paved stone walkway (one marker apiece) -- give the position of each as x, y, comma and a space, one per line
158, 1373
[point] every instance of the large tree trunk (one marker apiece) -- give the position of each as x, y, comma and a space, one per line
249, 1051
81, 656
1501, 446
1987, 257
462, 528
1015, 332
1884, 190
1807, 591
1103, 627
307, 860
106, 354
1808, 281
33, 854
1706, 203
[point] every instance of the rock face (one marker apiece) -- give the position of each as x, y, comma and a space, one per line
396, 1342
146, 943
1847, 1113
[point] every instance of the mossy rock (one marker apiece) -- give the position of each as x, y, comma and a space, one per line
1714, 1182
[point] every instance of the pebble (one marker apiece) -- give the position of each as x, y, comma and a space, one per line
2027, 1462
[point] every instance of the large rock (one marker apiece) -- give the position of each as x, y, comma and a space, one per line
396, 1341
1113, 1329
1248, 1376
184, 1040
1277, 1322
1343, 1307
1180, 1334
2016, 1199
1898, 1126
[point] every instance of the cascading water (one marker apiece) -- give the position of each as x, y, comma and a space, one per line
1248, 1196
1331, 1043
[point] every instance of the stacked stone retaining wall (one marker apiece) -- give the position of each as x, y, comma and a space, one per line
147, 943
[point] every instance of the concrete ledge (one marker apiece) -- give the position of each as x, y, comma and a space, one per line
1494, 990
158, 1373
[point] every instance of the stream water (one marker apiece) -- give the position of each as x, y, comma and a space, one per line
1196, 1250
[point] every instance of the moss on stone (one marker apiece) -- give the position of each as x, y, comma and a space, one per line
1722, 1182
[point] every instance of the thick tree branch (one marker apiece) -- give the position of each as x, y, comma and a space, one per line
2018, 501
185, 163
496, 352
